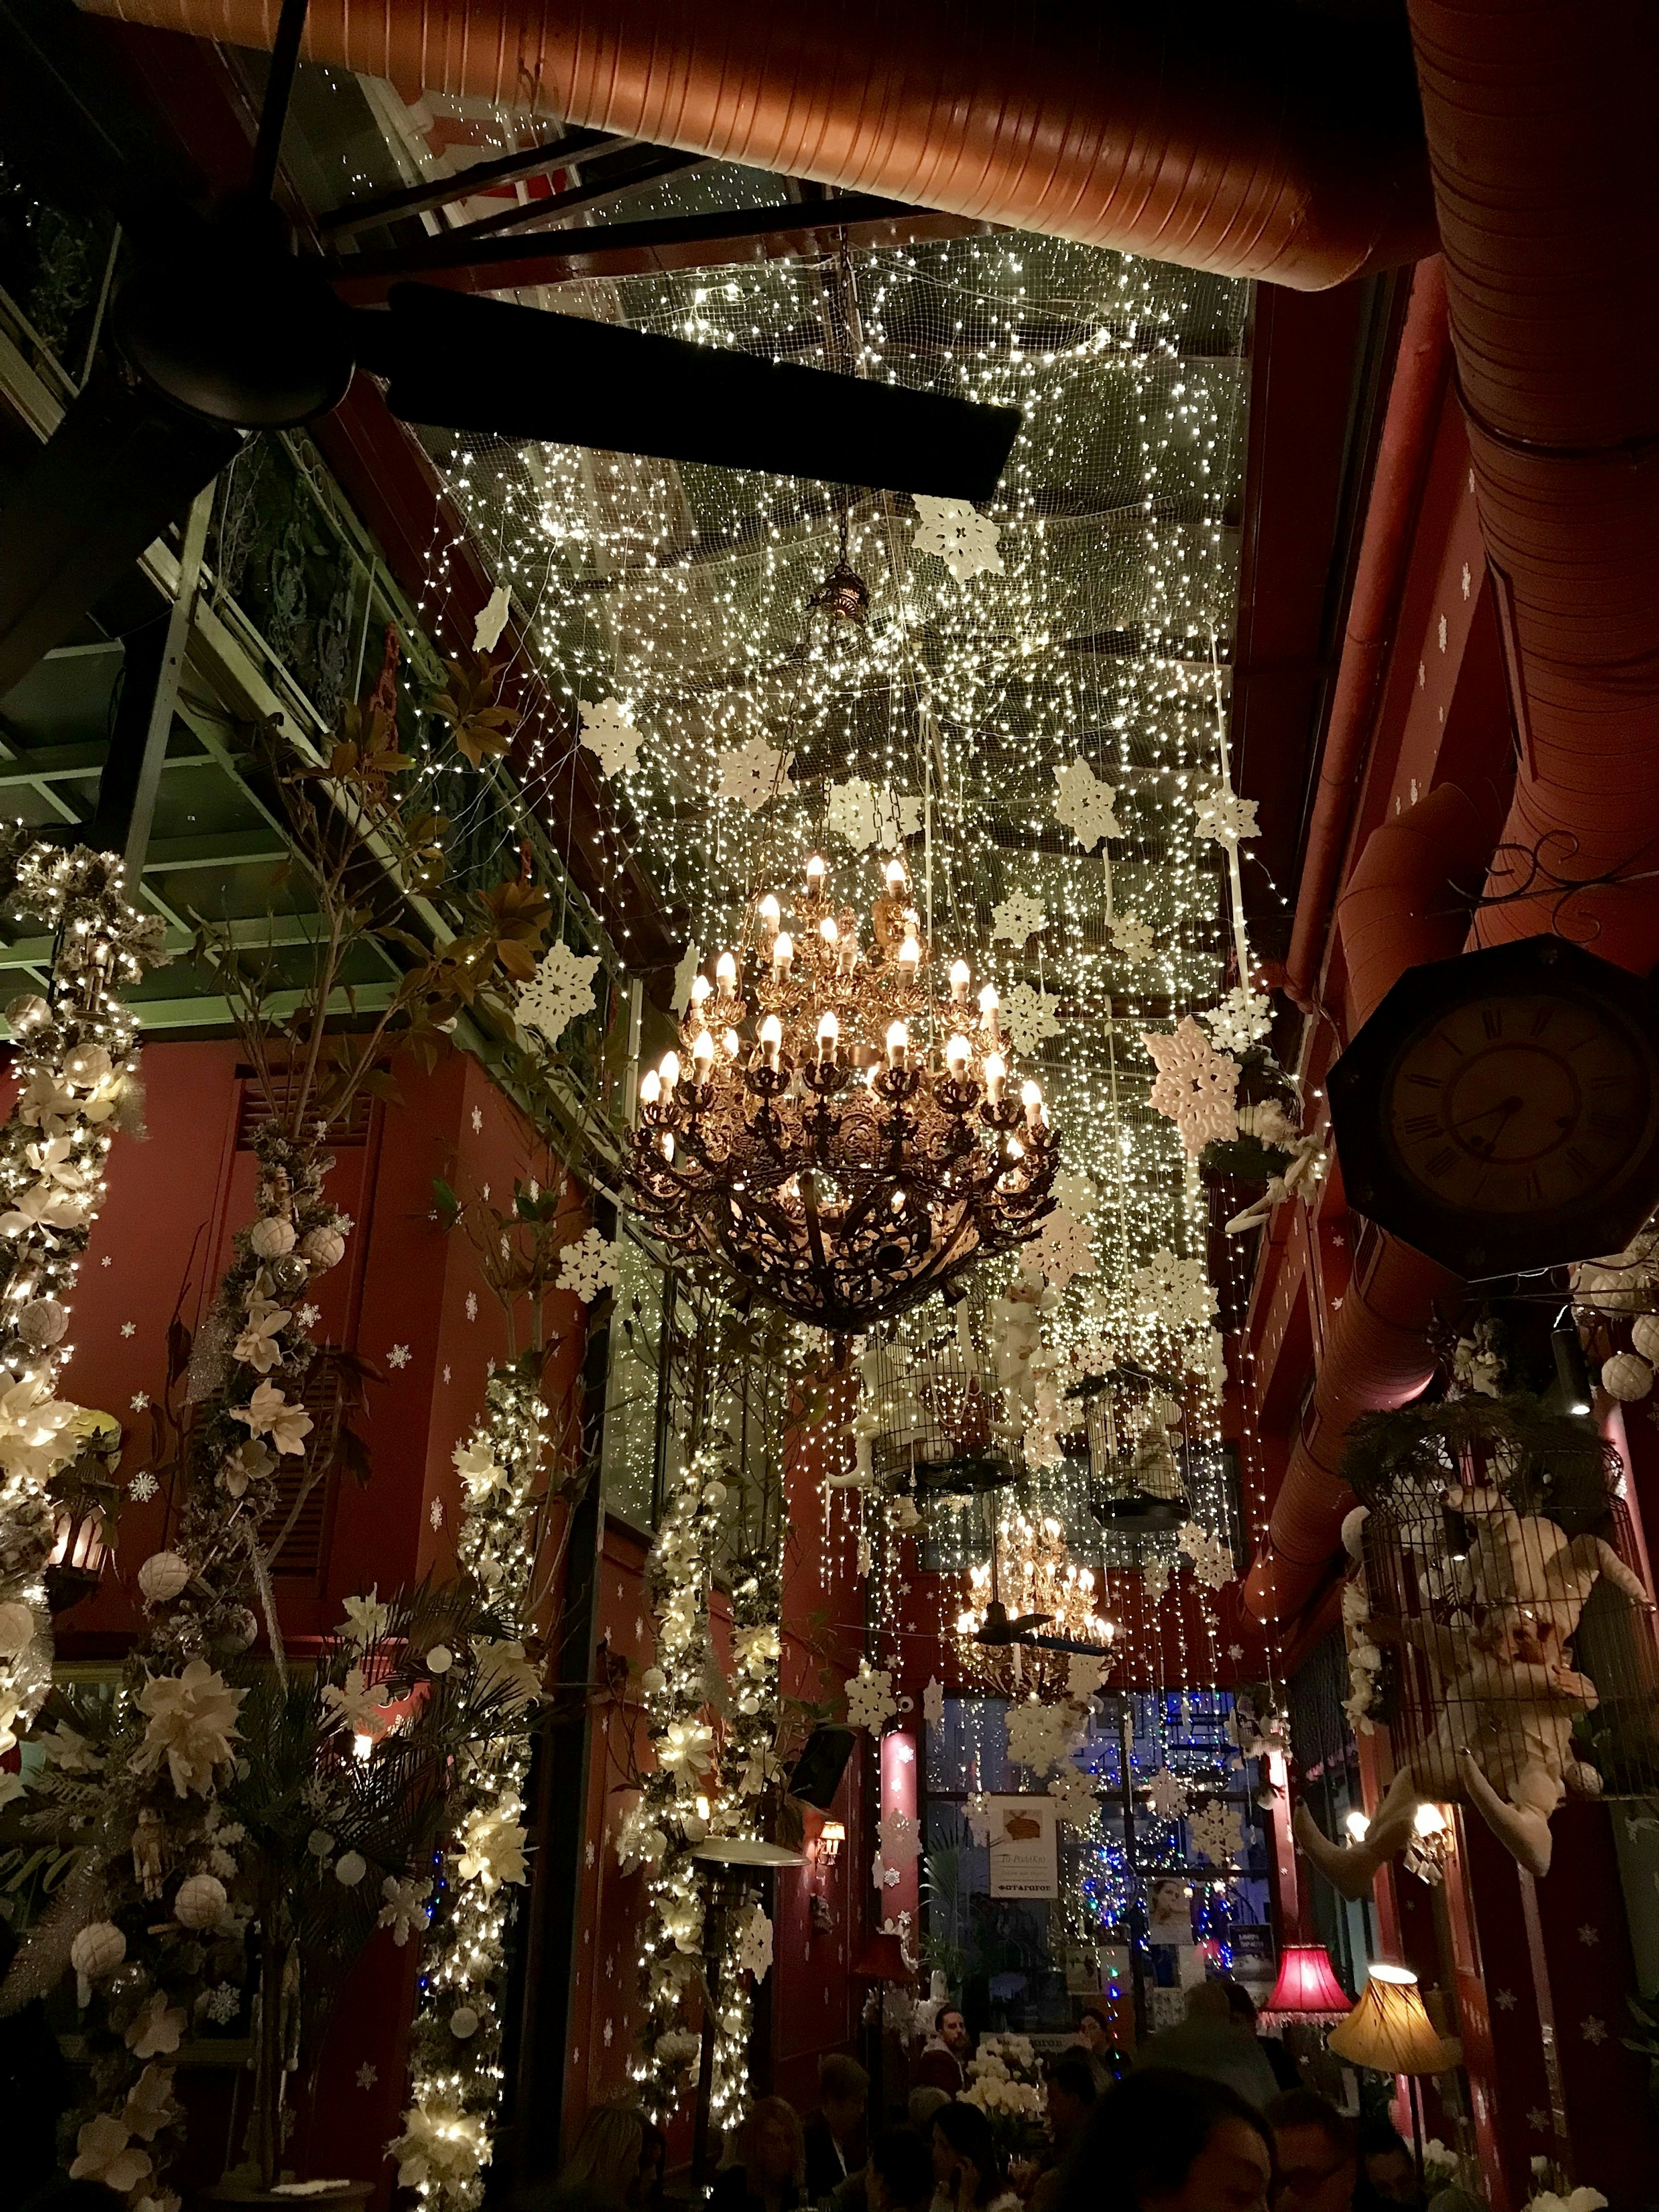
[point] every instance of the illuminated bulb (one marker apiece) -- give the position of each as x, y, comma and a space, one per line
989, 1006
783, 954
829, 1035
1429, 1821
894, 877
363, 1745
650, 1087
816, 872
960, 979
703, 1054
996, 1074
670, 1070
909, 956
769, 914
725, 972
958, 1054
771, 1038
732, 1044
1358, 1825
1030, 1097
827, 929
702, 991
898, 1044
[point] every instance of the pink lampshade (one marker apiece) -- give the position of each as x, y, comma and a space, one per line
1307, 1989
882, 1960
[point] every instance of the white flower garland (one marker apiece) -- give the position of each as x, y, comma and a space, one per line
74, 1059
455, 2071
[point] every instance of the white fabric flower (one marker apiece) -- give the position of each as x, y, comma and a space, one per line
480, 1470
105, 2152
492, 1847
269, 1413
442, 2149
367, 1619
257, 1346
192, 1724
157, 2028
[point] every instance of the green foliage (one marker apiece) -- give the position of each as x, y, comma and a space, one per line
1542, 1460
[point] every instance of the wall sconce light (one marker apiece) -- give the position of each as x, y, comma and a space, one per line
831, 1836
1433, 1841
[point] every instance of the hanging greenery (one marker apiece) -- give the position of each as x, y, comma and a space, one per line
1542, 1459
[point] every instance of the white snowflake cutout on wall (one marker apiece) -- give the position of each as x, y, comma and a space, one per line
1223, 817
587, 1266
610, 736
1083, 804
961, 536
561, 990
1026, 1018
1018, 917
753, 773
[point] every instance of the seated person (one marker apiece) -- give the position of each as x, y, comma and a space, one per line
1096, 2042
1211, 2043
943, 2061
1386, 2166
834, 2137
768, 2163
967, 2169
1072, 2093
898, 2176
1317, 2152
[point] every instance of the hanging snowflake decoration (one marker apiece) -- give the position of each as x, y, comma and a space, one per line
561, 990
1239, 1021
1223, 817
1018, 917
1039, 1736
1168, 1794
588, 1267
899, 1835
1074, 1195
1073, 1793
870, 1700
963, 538
491, 620
1133, 938
610, 736
754, 1945
1214, 1832
933, 1704
1083, 804
1026, 1018
1196, 1086
1176, 1294
1212, 1556
685, 974
1064, 1248
867, 814
1155, 1575
753, 773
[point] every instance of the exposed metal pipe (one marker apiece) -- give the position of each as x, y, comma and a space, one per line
1276, 142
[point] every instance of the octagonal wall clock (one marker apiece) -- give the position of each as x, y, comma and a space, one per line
1500, 1111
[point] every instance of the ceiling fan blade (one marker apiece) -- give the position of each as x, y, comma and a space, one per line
459, 362
118, 468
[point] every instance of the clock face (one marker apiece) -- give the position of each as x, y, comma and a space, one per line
1521, 1103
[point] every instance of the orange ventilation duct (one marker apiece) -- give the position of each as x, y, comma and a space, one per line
1271, 142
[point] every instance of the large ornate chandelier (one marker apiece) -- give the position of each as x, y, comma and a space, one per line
840, 1168
1032, 1576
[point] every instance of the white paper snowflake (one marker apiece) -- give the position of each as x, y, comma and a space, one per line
1175, 1292
223, 2003
685, 974
399, 1356
1223, 817
753, 773
491, 620
963, 538
1026, 1018
1073, 1793
1239, 1021
933, 1704
436, 1513
870, 1698
1155, 1575
1196, 1086
1075, 1194
587, 1266
1212, 1556
1133, 938
901, 1839
754, 1945
1214, 1832
1083, 804
610, 736
1039, 1736
867, 814
561, 989
1084, 1677
143, 1485
1063, 1249
1018, 917
1168, 1793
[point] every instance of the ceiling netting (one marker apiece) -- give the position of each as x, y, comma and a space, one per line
1099, 634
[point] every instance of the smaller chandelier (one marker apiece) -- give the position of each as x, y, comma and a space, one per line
803, 1137
1035, 1578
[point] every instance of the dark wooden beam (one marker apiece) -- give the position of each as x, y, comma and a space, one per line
717, 240
440, 191
654, 164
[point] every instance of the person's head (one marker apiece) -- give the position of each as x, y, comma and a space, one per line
921, 2106
1071, 2098
1241, 2005
1163, 2142
771, 2146
1388, 2165
1317, 2151
1207, 2000
953, 2030
965, 2157
843, 2093
899, 2176
605, 2159
1094, 2032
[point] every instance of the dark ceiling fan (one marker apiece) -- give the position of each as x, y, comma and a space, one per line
220, 328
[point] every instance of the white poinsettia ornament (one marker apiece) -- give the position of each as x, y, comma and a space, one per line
190, 1725
963, 539
560, 991
610, 736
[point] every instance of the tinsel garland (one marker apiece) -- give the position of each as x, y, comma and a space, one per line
77, 1087
455, 2071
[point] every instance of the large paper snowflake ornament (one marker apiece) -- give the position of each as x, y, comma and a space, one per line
1212, 1556
1174, 1293
1168, 1793
963, 538
899, 1835
754, 1945
1039, 1737
1215, 1833
1064, 1248
1083, 804
1026, 1018
1073, 1793
1239, 1021
867, 814
933, 1704
1196, 1086
1223, 817
1074, 1195
685, 974
588, 1267
610, 736
1018, 917
753, 773
1133, 938
870, 1700
561, 989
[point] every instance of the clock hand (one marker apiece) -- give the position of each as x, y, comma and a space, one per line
1504, 1106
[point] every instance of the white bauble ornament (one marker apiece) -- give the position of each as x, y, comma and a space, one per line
439, 1659
1644, 1335
271, 1238
351, 1868
323, 1248
87, 1065
27, 1012
463, 2022
200, 1902
1627, 1377
43, 1321
1353, 1531
98, 1950
162, 1576
16, 1628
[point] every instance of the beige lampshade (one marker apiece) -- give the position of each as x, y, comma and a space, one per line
1389, 2029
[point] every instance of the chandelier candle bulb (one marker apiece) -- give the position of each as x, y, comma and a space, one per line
702, 991
996, 1074
770, 914
990, 1006
829, 1033
733, 1044
771, 1038
670, 1072
650, 1087
960, 979
898, 1044
895, 877
817, 875
1030, 1097
726, 974
783, 957
703, 1054
909, 957
958, 1054
828, 931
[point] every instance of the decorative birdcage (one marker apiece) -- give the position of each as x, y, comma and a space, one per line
1127, 1429
940, 1423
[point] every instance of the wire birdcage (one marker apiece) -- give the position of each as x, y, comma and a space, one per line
1129, 1428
